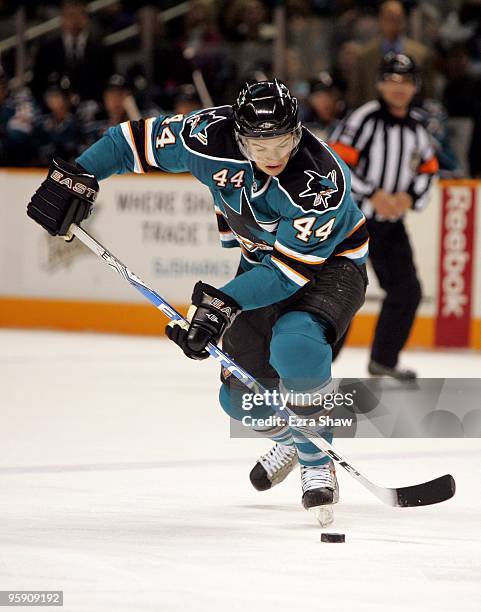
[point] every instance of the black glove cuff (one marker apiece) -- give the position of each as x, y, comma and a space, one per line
74, 180
206, 295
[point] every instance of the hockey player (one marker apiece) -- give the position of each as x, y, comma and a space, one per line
283, 197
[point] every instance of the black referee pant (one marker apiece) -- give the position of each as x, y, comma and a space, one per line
392, 260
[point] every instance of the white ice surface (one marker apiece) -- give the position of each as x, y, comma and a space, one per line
120, 486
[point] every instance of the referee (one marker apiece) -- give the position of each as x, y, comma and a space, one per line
392, 168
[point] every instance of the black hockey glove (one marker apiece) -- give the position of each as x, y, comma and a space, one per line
65, 196
211, 313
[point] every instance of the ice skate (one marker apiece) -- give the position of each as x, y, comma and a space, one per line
320, 491
376, 369
273, 467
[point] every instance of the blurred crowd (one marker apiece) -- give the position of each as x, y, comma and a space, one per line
82, 78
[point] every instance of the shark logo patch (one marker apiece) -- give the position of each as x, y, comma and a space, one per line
321, 188
199, 124
250, 232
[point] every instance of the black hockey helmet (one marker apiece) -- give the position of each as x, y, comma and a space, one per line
398, 63
265, 109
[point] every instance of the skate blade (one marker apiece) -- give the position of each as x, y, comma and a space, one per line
324, 515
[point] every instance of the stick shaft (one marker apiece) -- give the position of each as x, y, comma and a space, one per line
387, 495
161, 304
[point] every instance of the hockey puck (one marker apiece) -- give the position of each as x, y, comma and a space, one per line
333, 537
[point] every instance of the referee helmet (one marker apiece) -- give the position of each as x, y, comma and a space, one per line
398, 63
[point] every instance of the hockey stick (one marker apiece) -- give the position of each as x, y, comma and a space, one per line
423, 494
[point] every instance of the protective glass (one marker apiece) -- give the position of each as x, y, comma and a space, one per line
265, 150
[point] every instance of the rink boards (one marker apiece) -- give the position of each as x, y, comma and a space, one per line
163, 227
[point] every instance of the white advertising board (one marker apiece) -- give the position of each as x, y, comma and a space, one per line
164, 229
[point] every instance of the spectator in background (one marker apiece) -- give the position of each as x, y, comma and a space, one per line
186, 100
354, 21
310, 37
462, 99
470, 15
198, 45
474, 154
113, 110
462, 94
392, 25
114, 98
203, 45
324, 106
75, 54
200, 26
171, 69
246, 20
58, 132
247, 25
433, 117
345, 65
17, 113
7, 110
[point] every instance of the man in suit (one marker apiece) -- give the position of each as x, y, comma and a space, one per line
392, 25
75, 54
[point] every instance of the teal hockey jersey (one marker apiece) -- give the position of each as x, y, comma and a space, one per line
286, 226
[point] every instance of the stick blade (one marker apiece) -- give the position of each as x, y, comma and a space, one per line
431, 492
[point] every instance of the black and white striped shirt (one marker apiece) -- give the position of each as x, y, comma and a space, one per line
385, 152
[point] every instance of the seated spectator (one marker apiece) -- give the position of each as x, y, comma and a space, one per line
186, 100
345, 65
17, 112
246, 20
354, 21
75, 54
58, 132
392, 25
311, 38
434, 117
203, 45
470, 14
462, 94
114, 99
113, 110
200, 26
324, 106
247, 25
474, 154
172, 65
7, 110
